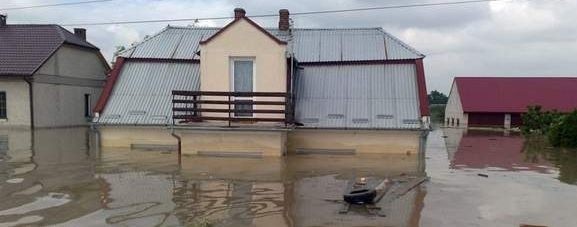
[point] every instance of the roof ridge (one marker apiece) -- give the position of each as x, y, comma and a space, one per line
403, 44
274, 28
136, 44
64, 32
8, 25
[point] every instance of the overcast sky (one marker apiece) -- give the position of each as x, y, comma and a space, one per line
513, 38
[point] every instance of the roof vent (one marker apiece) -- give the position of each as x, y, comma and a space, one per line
3, 19
239, 13
283, 20
80, 33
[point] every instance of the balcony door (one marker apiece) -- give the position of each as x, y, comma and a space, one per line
243, 74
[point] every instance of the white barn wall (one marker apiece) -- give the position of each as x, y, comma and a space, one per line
454, 108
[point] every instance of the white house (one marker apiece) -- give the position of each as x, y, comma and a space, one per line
49, 77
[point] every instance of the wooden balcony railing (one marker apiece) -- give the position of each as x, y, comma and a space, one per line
199, 106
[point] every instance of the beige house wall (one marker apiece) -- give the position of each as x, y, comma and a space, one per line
17, 103
359, 141
454, 108
243, 40
265, 143
61, 83
124, 137
262, 143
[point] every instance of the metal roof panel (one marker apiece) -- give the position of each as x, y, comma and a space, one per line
143, 92
358, 96
309, 45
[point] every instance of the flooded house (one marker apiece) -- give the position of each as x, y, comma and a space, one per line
49, 77
500, 101
245, 89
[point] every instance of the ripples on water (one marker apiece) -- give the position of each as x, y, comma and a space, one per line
57, 177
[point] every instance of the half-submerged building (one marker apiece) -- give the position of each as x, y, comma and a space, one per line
244, 88
49, 77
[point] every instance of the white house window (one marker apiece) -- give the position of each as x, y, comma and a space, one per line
243, 81
3, 110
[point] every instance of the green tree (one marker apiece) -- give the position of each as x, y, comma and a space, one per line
539, 122
437, 97
563, 131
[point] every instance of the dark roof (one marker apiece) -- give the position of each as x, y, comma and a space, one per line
24, 48
514, 94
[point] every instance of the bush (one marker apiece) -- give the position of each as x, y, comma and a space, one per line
563, 132
537, 122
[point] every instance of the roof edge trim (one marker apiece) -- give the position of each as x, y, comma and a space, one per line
159, 60
109, 85
251, 22
360, 62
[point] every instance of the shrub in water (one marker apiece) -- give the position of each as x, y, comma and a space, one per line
563, 132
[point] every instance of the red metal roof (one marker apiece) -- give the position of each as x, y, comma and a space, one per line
514, 94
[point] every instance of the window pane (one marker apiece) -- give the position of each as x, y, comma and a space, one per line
243, 76
3, 105
242, 107
87, 105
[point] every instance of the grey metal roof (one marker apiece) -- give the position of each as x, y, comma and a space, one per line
23, 48
309, 45
358, 96
142, 94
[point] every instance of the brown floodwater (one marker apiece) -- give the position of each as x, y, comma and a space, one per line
60, 177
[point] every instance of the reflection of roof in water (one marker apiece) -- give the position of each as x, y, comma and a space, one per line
479, 150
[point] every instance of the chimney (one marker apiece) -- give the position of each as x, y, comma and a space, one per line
239, 13
80, 33
3, 19
283, 20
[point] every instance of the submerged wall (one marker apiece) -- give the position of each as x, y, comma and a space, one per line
354, 141
266, 142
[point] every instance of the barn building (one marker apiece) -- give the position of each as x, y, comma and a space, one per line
500, 101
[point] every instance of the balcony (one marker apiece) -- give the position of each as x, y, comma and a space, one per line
198, 107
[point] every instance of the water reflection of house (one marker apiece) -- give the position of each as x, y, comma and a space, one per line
265, 191
496, 150
55, 171
320, 181
243, 88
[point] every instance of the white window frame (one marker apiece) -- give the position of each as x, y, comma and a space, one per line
231, 79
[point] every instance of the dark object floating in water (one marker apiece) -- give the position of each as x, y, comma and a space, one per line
360, 196
482, 175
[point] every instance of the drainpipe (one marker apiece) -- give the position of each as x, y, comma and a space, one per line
31, 94
179, 145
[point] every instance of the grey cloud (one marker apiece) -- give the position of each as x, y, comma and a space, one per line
514, 38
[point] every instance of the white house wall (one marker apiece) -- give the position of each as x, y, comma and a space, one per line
358, 96
17, 103
454, 108
61, 83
